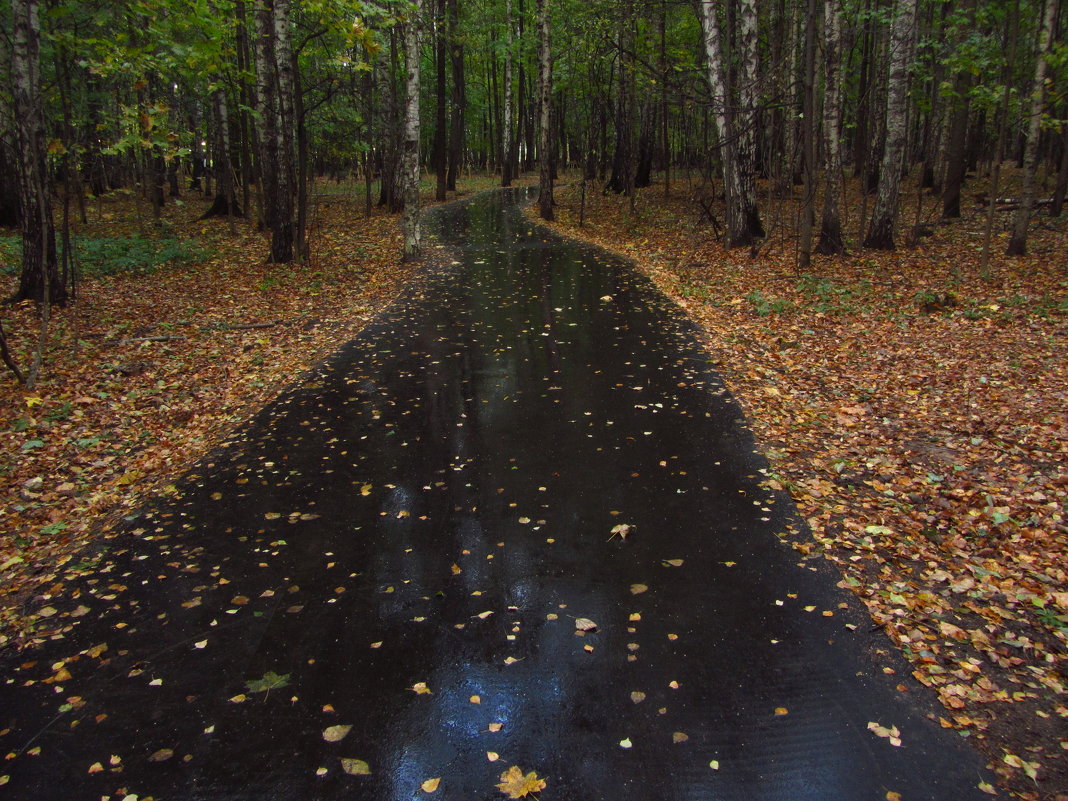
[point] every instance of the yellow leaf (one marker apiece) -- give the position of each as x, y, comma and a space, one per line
492, 756
355, 767
515, 784
420, 688
431, 785
334, 734
637, 589
781, 710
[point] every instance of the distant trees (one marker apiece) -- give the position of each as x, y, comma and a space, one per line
247, 100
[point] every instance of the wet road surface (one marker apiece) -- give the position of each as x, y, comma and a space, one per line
388, 571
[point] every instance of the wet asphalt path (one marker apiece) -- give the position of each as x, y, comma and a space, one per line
402, 544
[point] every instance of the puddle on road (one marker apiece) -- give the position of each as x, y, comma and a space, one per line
401, 547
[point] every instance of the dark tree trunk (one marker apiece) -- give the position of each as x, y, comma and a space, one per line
439, 155
40, 279
459, 101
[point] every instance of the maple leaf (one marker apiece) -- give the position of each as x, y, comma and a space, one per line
515, 784
270, 681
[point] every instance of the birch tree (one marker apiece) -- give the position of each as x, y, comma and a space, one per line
410, 153
738, 230
545, 91
831, 242
881, 231
506, 133
274, 106
40, 279
1018, 241
745, 129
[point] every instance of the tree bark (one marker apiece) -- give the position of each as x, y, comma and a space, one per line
506, 133
459, 99
746, 127
545, 90
831, 241
441, 137
881, 231
738, 232
40, 279
410, 157
1018, 241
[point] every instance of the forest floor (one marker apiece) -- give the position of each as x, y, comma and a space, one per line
180, 333
914, 407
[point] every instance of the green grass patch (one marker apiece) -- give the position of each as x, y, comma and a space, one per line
125, 255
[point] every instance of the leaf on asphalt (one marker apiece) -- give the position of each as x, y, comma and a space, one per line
637, 697
162, 755
335, 734
892, 734
637, 589
420, 688
679, 737
622, 530
626, 743
515, 784
431, 785
495, 727
355, 767
585, 624
270, 681
673, 562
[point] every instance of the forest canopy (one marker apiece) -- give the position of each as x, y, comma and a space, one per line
251, 101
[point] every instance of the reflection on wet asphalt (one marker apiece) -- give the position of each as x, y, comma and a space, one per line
432, 510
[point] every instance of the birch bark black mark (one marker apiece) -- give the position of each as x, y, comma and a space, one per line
881, 231
410, 157
506, 134
831, 241
1018, 241
545, 89
40, 279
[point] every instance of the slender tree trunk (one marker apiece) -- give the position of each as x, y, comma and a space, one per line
459, 100
1018, 241
545, 92
808, 137
40, 279
881, 231
410, 158
506, 134
738, 232
440, 156
831, 241
746, 128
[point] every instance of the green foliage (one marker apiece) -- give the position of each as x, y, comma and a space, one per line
765, 306
126, 255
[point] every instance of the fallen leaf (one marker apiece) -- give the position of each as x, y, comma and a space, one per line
492, 756
585, 624
431, 785
637, 589
637, 697
679, 737
335, 734
626, 743
621, 530
515, 784
162, 755
475, 699
781, 710
495, 727
420, 688
673, 562
355, 767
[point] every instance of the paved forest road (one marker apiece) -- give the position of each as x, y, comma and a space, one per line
389, 563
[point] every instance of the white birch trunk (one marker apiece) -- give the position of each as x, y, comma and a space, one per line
831, 222
506, 134
545, 92
737, 229
881, 231
410, 156
746, 123
1018, 241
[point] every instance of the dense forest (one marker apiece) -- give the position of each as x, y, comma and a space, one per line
250, 102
